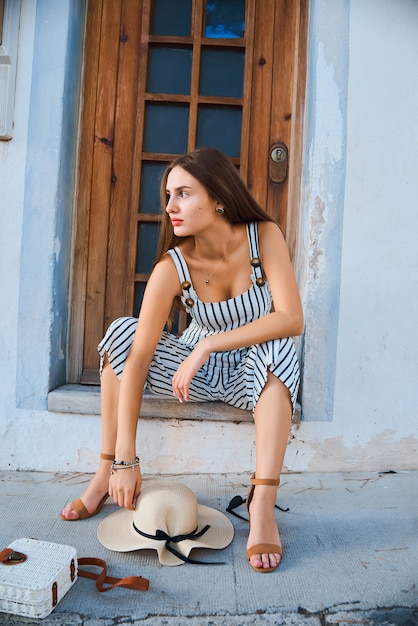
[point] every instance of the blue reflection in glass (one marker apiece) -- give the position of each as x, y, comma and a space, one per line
225, 19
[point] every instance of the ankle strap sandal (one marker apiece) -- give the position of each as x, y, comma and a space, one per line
238, 500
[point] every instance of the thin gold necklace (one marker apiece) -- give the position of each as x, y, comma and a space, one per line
209, 276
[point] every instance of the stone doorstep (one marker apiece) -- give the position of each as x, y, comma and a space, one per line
85, 400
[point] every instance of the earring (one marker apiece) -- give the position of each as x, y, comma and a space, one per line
220, 210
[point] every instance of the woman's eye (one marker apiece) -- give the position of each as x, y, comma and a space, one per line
183, 194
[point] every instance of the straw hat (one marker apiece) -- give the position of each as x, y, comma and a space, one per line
168, 519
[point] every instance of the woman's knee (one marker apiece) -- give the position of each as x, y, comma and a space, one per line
277, 387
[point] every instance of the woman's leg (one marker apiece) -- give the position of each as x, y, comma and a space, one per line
98, 486
272, 418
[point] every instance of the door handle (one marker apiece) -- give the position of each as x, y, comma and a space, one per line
278, 162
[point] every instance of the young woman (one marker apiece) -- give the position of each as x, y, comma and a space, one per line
226, 261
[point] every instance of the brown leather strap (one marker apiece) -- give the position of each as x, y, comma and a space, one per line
130, 582
266, 481
12, 557
5, 554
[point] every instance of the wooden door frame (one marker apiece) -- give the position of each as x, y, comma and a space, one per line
101, 151
284, 121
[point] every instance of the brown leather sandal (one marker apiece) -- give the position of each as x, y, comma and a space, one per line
262, 548
79, 505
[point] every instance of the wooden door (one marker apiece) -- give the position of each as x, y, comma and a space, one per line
161, 78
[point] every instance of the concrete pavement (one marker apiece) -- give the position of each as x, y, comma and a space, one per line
350, 555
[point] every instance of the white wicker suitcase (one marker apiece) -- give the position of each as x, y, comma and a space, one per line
34, 587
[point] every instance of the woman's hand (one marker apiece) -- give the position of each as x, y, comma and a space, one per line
125, 485
188, 369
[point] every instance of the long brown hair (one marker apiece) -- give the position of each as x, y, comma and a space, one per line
222, 182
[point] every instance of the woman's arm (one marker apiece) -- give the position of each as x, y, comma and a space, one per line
287, 318
285, 321
162, 287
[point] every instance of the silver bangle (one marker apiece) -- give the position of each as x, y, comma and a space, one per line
116, 465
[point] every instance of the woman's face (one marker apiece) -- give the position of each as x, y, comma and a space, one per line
189, 206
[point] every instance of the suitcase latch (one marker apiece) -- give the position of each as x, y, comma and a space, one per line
12, 557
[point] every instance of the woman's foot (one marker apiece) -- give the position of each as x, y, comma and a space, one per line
263, 529
94, 496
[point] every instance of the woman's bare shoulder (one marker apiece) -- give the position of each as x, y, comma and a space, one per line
165, 274
269, 232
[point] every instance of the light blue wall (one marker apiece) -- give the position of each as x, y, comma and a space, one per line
48, 200
357, 255
323, 203
377, 367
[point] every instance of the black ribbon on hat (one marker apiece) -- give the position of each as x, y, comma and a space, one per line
161, 535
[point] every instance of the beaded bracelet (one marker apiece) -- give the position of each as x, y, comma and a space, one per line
116, 465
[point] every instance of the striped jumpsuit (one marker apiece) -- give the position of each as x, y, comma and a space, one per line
236, 377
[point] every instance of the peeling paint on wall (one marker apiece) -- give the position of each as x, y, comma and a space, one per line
324, 208
383, 452
316, 253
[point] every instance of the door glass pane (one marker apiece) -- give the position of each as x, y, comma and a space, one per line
146, 246
138, 295
225, 19
222, 73
166, 128
171, 17
151, 175
169, 70
220, 127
